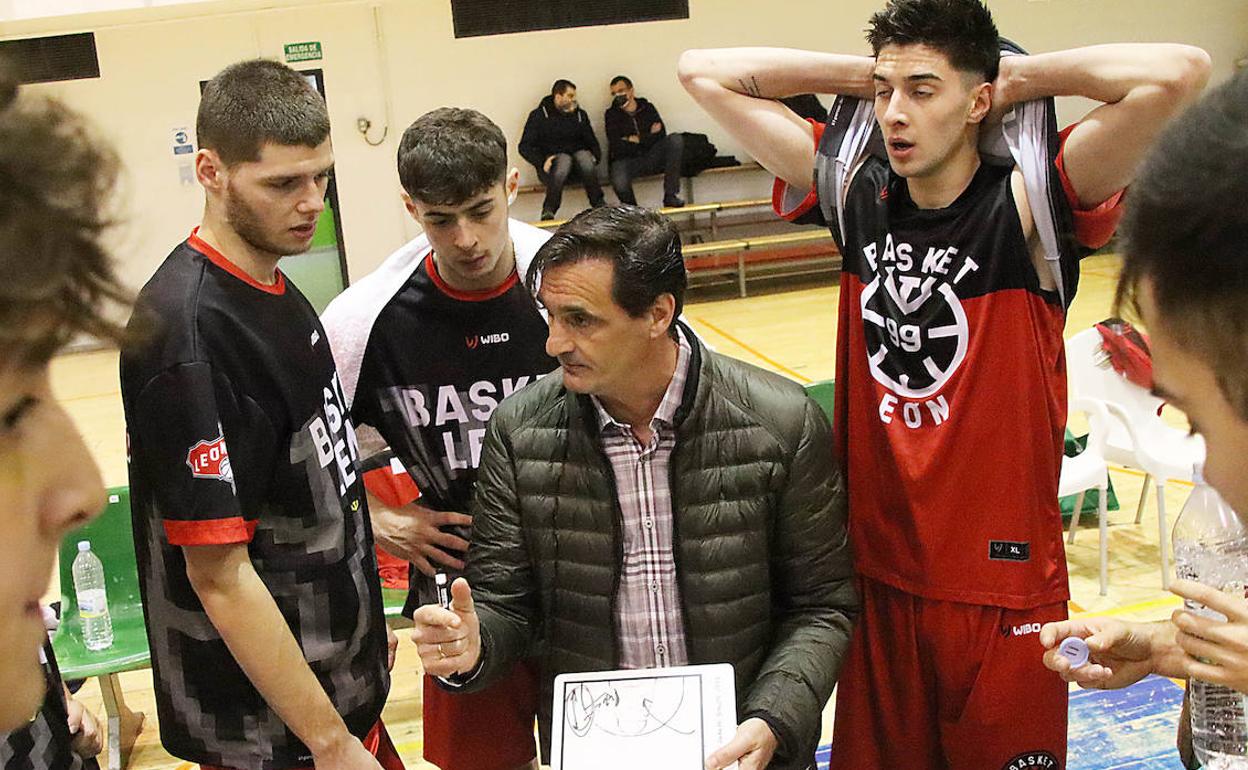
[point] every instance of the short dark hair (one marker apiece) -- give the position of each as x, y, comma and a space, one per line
251, 103
962, 30
642, 245
56, 184
561, 86
622, 79
1185, 231
450, 154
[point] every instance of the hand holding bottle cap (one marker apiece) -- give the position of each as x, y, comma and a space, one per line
1075, 650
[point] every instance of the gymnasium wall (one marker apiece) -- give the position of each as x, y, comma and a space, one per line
391, 60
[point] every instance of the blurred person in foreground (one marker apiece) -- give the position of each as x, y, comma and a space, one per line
1185, 274
56, 283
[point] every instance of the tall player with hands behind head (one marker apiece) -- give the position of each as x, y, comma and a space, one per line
950, 398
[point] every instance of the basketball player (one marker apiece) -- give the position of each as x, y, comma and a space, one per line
428, 344
950, 399
255, 553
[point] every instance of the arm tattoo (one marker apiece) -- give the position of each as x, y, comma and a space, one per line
751, 87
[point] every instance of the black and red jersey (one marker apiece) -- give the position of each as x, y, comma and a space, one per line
437, 364
951, 384
239, 433
434, 364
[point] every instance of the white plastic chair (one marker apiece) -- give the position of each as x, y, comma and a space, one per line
1137, 437
1089, 470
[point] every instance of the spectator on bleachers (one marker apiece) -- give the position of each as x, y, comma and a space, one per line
638, 144
55, 276
559, 140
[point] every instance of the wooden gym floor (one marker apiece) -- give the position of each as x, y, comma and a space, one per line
790, 331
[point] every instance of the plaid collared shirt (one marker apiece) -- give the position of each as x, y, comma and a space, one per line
652, 632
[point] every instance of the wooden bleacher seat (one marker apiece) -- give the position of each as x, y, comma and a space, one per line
797, 249
691, 209
571, 184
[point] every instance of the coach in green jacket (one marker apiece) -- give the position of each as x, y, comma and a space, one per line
654, 504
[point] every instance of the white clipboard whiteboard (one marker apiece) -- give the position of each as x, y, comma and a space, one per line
669, 718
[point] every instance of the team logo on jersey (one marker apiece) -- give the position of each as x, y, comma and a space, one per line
477, 340
915, 328
1023, 630
1040, 760
210, 460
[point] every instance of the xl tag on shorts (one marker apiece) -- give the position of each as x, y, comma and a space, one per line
1007, 550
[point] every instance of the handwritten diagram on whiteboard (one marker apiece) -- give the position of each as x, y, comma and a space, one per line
668, 718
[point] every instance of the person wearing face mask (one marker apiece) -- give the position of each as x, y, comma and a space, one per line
559, 141
638, 144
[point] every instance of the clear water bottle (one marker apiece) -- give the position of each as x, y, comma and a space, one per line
97, 626
1211, 547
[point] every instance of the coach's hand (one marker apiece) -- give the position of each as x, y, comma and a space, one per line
751, 748
448, 640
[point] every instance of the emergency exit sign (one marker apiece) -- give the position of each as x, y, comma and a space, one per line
310, 51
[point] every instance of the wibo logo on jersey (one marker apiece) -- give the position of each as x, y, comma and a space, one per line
915, 328
477, 340
1023, 630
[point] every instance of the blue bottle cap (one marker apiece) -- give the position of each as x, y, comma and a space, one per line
1075, 650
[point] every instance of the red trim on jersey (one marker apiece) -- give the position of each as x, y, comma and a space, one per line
779, 187
221, 261
1095, 226
229, 531
393, 489
480, 295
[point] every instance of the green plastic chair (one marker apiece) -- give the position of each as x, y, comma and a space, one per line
392, 601
113, 543
823, 393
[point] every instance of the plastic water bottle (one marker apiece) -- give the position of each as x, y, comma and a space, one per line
97, 626
1211, 547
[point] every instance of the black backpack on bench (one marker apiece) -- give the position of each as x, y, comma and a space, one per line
700, 155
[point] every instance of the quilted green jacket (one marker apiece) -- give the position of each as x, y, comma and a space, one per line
760, 544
